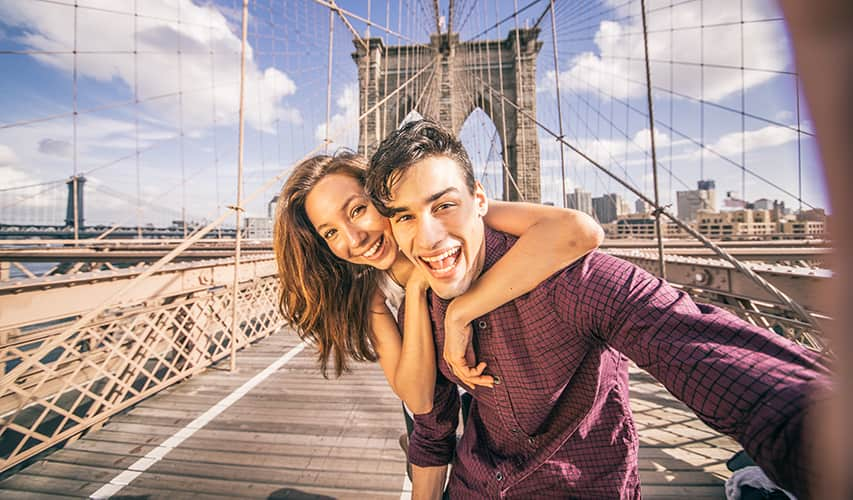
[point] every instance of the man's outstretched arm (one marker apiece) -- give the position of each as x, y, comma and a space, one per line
742, 380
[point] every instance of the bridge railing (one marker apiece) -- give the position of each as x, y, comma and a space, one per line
177, 323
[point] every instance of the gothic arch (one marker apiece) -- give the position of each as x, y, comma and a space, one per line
448, 99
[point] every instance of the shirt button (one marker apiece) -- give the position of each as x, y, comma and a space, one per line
482, 325
514, 430
497, 379
531, 440
499, 476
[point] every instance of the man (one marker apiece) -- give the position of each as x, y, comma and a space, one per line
557, 422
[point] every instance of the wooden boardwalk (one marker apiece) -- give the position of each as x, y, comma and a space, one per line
295, 435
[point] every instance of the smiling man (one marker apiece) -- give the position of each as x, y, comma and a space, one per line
557, 423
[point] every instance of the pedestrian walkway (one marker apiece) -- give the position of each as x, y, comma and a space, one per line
295, 435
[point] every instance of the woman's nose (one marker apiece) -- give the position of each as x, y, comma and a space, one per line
356, 236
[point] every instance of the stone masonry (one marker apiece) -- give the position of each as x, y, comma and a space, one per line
467, 75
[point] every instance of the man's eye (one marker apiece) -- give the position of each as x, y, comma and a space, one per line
444, 206
357, 211
404, 218
328, 234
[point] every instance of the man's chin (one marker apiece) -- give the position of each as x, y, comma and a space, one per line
448, 291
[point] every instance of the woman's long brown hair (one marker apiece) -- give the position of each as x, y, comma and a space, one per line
325, 299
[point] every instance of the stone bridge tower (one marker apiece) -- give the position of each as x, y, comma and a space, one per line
467, 75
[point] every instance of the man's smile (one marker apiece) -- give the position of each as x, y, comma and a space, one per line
443, 264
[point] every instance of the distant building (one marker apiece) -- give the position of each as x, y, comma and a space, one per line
271, 206
640, 226
580, 200
732, 203
608, 207
624, 208
814, 215
641, 207
803, 228
721, 225
762, 204
691, 202
729, 224
258, 228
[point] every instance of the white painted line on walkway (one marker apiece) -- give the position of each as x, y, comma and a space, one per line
406, 494
120, 481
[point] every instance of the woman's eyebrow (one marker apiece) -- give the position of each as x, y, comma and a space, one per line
342, 208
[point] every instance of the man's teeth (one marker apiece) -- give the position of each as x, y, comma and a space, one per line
443, 262
368, 254
441, 256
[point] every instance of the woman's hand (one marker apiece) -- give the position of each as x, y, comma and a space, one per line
417, 282
459, 351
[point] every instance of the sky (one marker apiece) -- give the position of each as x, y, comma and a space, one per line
156, 97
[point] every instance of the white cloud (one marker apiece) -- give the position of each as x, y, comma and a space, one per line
55, 147
617, 68
7, 157
731, 144
203, 28
343, 125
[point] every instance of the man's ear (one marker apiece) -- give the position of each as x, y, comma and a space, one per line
481, 201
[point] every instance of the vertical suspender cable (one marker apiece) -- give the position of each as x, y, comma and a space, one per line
505, 138
75, 186
652, 141
329, 79
181, 128
237, 207
136, 118
520, 151
559, 110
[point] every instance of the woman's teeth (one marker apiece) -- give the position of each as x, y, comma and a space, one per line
369, 253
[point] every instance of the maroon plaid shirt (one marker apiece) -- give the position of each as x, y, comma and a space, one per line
558, 421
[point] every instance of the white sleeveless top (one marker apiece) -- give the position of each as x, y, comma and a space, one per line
393, 292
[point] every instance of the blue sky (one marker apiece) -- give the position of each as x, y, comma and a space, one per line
184, 126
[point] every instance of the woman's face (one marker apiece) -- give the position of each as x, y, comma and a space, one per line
347, 221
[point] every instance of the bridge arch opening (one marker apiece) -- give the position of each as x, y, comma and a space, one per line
412, 116
483, 142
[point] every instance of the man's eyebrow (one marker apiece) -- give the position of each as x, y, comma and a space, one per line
440, 194
395, 210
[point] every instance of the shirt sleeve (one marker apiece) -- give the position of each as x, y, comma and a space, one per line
433, 439
742, 380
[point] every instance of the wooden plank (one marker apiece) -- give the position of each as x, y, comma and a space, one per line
297, 433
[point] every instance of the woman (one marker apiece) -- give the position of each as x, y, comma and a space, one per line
343, 277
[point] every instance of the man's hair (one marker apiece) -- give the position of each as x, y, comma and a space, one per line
409, 144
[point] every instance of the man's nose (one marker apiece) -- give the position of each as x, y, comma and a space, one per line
430, 232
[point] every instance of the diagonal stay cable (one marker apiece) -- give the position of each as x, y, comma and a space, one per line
8, 379
780, 295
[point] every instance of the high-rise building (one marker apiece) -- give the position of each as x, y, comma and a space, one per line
580, 200
641, 207
608, 207
271, 206
690, 202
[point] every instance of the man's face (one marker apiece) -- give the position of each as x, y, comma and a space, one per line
438, 224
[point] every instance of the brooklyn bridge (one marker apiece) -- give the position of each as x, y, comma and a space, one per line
143, 146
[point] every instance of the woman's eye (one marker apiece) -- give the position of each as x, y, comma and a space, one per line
357, 211
328, 234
